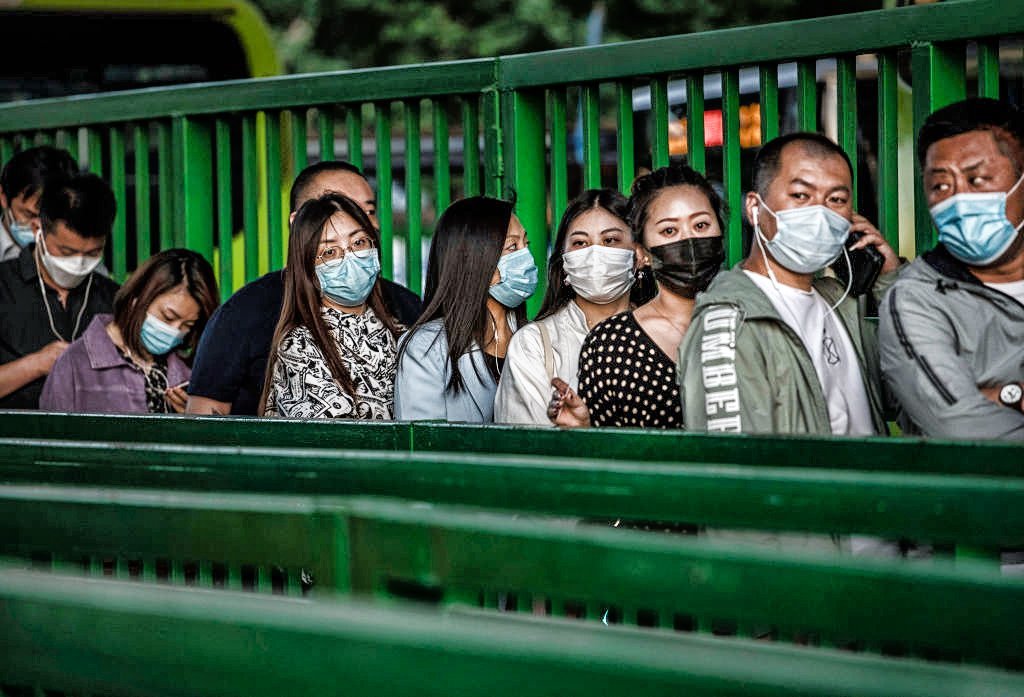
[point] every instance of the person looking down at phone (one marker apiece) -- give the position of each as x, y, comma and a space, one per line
773, 347
952, 327
128, 362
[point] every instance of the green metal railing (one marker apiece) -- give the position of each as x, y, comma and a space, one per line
221, 156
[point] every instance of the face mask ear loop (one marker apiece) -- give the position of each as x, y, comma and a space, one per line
764, 253
849, 283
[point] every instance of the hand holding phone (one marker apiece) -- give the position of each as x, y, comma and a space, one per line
864, 267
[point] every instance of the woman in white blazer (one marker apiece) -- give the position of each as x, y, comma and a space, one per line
594, 263
479, 273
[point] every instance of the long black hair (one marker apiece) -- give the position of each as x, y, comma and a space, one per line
464, 253
559, 293
302, 293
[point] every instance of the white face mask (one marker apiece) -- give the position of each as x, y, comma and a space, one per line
599, 274
66, 272
807, 239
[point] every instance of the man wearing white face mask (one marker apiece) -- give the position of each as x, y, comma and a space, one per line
51, 291
952, 327
22, 182
771, 348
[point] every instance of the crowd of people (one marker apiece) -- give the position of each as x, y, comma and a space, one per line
640, 326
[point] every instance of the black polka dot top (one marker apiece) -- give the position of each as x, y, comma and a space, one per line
626, 379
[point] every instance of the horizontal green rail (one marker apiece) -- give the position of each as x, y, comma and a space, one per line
448, 555
990, 458
924, 507
60, 634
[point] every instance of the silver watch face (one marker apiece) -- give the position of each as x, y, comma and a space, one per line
1011, 394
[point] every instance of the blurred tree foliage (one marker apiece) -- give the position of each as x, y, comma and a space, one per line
314, 35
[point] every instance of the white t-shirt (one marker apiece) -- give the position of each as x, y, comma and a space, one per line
831, 352
1015, 289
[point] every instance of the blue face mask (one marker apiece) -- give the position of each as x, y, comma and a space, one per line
974, 228
349, 280
518, 278
22, 233
159, 337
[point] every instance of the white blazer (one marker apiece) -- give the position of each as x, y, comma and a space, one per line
423, 373
525, 389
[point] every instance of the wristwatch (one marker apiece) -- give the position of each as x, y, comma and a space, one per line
1011, 394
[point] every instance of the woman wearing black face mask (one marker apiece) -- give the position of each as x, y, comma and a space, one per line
627, 373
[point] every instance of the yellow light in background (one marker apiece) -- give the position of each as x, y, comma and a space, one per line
750, 130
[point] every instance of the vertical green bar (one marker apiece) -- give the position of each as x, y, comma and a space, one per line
234, 578
494, 156
325, 121
988, 68
806, 96
44, 138
769, 88
846, 112
140, 139
6, 150
590, 104
442, 162
225, 223
250, 197
559, 156
888, 150
470, 146
354, 124
939, 79
414, 217
275, 216
731, 163
382, 115
695, 121
118, 182
148, 571
95, 150
205, 579
195, 182
525, 157
165, 175
626, 140
300, 158
659, 114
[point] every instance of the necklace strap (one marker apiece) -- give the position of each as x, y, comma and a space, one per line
49, 313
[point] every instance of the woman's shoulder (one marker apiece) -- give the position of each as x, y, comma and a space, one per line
421, 338
613, 328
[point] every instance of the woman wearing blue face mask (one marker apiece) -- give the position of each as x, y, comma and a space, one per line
128, 362
333, 352
479, 274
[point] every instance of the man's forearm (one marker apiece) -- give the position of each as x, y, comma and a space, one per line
18, 373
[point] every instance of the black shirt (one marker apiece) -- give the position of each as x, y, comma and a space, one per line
231, 359
24, 325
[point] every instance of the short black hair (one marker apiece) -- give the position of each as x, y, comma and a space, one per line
976, 114
769, 157
85, 203
31, 170
308, 175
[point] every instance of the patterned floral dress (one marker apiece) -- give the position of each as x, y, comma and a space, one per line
302, 386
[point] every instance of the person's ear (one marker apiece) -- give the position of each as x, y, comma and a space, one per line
291, 218
3, 199
751, 207
642, 257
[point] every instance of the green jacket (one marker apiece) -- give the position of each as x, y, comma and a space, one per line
743, 369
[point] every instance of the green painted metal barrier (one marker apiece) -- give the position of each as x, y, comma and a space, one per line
919, 455
220, 157
119, 638
940, 508
449, 555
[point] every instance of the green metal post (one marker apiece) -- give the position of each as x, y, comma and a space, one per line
988, 68
624, 126
275, 215
250, 198
494, 163
118, 247
807, 95
95, 149
382, 113
225, 223
140, 142
442, 163
590, 102
559, 156
888, 150
695, 121
6, 150
470, 146
297, 118
195, 182
325, 129
659, 114
731, 163
414, 216
769, 96
165, 176
846, 112
525, 157
939, 79
354, 128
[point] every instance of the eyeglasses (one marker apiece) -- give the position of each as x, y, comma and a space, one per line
334, 253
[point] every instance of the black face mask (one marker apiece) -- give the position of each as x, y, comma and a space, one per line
686, 267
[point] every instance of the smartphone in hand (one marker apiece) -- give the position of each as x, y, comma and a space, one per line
865, 265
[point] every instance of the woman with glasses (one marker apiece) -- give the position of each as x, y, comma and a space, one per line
333, 352
479, 274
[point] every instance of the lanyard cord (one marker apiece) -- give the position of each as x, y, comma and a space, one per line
49, 313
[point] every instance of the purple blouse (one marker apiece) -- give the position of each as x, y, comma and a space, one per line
92, 376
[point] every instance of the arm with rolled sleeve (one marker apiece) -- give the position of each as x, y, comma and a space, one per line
936, 387
421, 379
525, 388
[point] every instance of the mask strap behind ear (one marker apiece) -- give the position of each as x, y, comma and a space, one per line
764, 252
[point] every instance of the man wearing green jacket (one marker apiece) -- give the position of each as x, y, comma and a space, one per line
771, 347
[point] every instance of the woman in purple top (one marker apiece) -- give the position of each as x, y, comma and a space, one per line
128, 362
